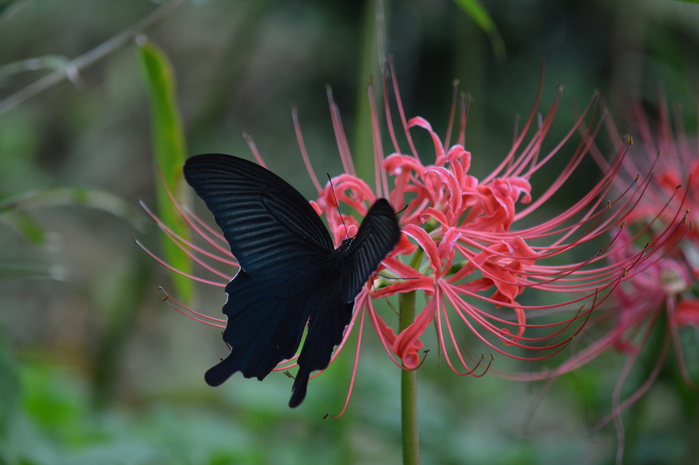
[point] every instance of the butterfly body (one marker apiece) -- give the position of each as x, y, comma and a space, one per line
291, 276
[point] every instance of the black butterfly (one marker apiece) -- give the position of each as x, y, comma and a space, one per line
290, 273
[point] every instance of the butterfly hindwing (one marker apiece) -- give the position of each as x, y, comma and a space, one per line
326, 327
377, 236
270, 226
266, 320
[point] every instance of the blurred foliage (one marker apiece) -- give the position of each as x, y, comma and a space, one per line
169, 154
94, 368
480, 16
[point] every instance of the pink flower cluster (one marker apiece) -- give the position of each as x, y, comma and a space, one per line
480, 251
671, 281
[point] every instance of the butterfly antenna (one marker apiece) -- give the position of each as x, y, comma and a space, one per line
332, 188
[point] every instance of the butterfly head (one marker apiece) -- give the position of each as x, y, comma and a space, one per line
340, 254
346, 244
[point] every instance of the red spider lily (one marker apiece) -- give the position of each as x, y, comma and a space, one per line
462, 245
664, 279
476, 259
667, 287
670, 281
667, 281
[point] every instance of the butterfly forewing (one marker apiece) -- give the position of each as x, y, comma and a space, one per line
377, 236
270, 227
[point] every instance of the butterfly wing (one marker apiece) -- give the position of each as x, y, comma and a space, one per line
377, 236
329, 317
271, 228
283, 249
288, 275
266, 320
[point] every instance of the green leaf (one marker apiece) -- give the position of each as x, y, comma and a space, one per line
169, 154
475, 10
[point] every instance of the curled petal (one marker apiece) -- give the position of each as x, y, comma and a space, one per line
413, 280
493, 204
398, 164
348, 189
427, 244
436, 214
448, 180
446, 246
438, 146
404, 246
385, 332
458, 153
422, 283
471, 287
407, 343
522, 324
316, 207
400, 268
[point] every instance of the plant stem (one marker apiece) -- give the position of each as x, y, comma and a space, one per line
372, 55
408, 391
71, 69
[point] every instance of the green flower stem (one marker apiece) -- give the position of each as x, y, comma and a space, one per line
408, 391
372, 55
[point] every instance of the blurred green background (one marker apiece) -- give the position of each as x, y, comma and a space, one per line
95, 368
